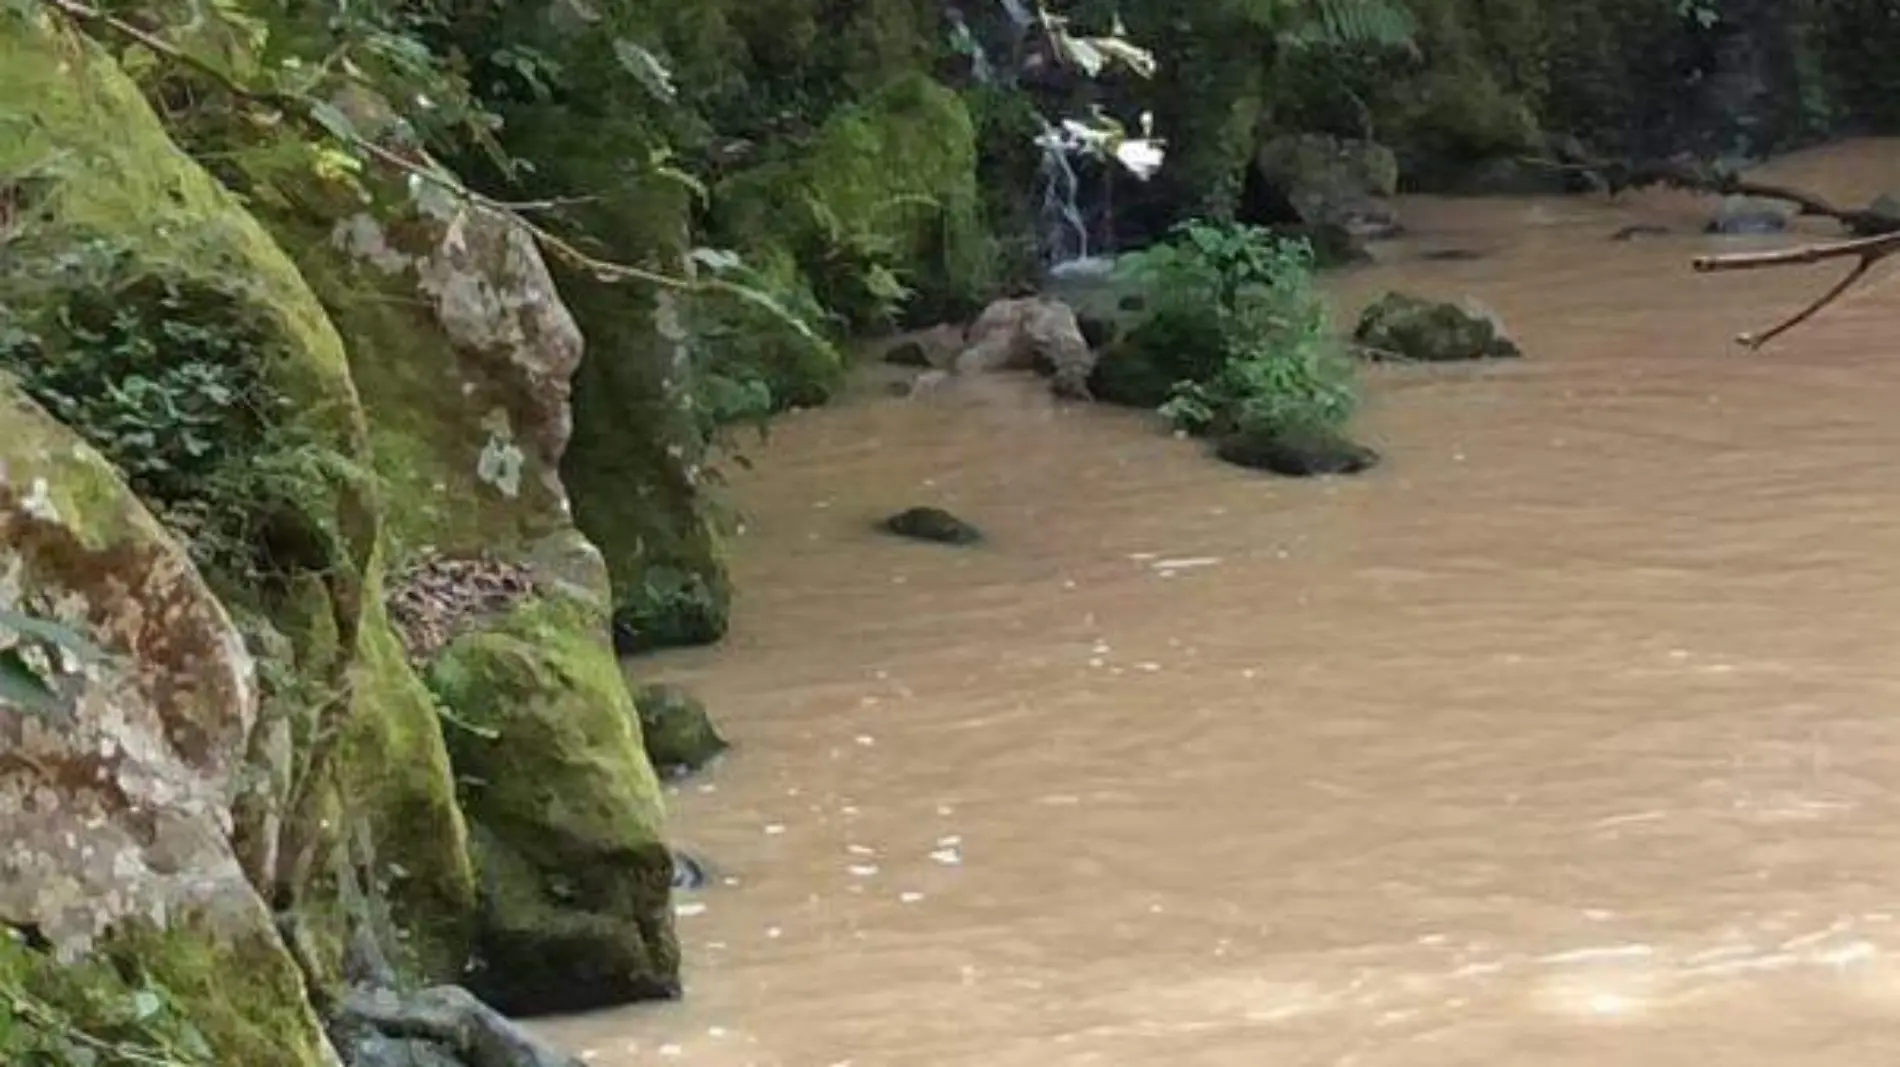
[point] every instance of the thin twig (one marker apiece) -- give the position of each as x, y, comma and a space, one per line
304, 110
1865, 251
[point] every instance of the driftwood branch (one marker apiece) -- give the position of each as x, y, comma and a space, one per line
1865, 251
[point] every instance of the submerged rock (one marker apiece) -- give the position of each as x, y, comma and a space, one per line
932, 524
443, 1026
1403, 327
689, 871
1741, 215
1640, 229
1301, 453
1333, 181
1030, 333
679, 736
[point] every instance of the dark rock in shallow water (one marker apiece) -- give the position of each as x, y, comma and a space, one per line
1132, 303
444, 1026
689, 871
908, 354
1742, 215
1451, 255
932, 524
1404, 327
1641, 229
1297, 453
680, 737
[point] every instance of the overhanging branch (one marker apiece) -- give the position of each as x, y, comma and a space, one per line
1865, 251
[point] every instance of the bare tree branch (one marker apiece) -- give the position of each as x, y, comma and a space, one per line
1865, 251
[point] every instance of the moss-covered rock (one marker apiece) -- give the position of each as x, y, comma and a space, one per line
350, 787
679, 735
119, 802
1402, 327
1297, 452
567, 816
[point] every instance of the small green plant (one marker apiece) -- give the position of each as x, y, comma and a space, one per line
1249, 334
87, 1015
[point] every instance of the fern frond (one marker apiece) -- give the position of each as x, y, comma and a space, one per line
1332, 23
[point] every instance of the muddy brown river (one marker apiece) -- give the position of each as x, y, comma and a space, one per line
1569, 736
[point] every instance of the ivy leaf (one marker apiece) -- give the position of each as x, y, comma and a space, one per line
336, 122
647, 69
145, 1004
52, 633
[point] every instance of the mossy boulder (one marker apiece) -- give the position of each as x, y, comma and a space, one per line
119, 848
1296, 452
1332, 181
566, 813
679, 735
1399, 326
346, 722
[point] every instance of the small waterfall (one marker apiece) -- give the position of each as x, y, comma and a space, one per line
1061, 232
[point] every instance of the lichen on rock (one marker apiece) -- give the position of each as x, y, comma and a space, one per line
118, 814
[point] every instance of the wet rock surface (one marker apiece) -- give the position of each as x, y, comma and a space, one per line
679, 735
1406, 328
934, 525
1741, 216
442, 1026
1297, 453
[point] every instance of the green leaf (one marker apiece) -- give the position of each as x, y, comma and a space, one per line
22, 688
647, 69
336, 122
51, 632
146, 1004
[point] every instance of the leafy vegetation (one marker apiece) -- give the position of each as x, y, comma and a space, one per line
34, 656
1236, 311
170, 381
89, 1016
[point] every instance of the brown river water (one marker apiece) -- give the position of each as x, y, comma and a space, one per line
1571, 735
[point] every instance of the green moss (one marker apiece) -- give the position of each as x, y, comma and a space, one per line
566, 810
396, 773
181, 996
888, 184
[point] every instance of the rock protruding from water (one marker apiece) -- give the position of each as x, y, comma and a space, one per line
1640, 229
1297, 453
680, 736
443, 1026
1030, 333
1740, 215
934, 525
1333, 181
1403, 327
689, 871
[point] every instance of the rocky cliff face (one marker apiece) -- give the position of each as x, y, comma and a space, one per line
274, 786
